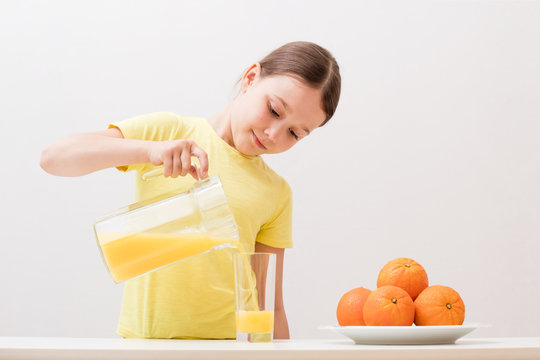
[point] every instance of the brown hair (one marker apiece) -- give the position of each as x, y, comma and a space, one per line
311, 64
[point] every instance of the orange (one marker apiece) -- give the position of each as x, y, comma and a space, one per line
404, 273
350, 306
439, 305
389, 306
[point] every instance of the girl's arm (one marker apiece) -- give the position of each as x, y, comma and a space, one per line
82, 154
281, 327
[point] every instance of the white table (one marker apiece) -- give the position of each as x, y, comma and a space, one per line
87, 348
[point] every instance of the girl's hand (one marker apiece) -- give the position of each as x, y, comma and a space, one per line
175, 156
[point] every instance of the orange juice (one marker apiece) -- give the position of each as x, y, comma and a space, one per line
255, 321
133, 254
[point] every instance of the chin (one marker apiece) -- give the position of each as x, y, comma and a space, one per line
249, 151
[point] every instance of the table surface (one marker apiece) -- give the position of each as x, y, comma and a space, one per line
116, 348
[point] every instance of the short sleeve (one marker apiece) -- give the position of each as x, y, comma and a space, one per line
278, 231
159, 126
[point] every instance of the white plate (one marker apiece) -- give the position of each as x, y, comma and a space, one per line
403, 335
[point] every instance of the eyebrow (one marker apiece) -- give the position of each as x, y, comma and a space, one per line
285, 106
282, 101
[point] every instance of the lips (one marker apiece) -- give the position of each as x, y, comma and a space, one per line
257, 141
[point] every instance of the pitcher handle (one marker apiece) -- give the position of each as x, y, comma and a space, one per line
152, 174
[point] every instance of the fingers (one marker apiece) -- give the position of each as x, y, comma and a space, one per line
177, 165
186, 162
167, 165
193, 172
176, 158
203, 160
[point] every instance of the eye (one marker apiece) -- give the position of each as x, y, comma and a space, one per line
293, 133
272, 111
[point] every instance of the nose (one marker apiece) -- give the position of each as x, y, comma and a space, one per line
273, 131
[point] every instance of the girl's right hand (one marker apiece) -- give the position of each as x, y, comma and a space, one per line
175, 156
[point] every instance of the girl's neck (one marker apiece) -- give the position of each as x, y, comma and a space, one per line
221, 123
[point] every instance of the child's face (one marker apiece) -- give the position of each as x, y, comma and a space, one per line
272, 114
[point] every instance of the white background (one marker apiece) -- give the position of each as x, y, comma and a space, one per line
433, 152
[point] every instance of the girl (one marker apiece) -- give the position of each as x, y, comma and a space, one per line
282, 99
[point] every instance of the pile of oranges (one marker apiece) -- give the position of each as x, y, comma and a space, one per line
403, 297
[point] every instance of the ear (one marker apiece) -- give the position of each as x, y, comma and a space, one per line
250, 76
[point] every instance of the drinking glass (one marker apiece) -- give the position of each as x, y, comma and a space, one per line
255, 279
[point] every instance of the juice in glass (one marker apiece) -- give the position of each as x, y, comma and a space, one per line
254, 323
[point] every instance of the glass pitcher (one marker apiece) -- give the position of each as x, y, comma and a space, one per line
151, 234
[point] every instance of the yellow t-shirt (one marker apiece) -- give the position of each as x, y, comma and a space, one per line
194, 298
